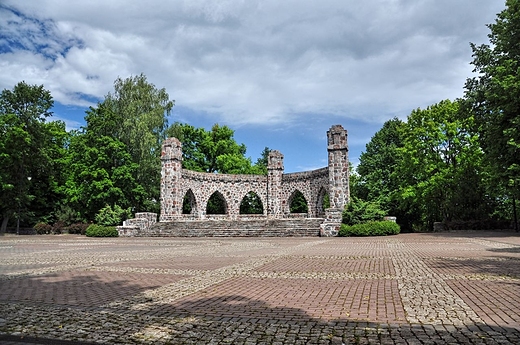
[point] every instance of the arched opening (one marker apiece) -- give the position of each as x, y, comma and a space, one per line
323, 202
298, 203
216, 204
189, 203
251, 204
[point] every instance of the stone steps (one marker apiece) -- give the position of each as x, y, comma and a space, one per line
236, 228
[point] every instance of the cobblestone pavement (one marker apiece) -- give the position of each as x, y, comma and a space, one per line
451, 288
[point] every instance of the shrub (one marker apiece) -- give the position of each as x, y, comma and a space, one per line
112, 216
95, 230
42, 228
58, 227
382, 228
77, 228
68, 215
358, 211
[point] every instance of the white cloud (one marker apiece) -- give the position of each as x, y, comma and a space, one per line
69, 124
251, 62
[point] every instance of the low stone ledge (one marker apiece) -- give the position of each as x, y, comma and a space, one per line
128, 231
236, 228
332, 223
141, 223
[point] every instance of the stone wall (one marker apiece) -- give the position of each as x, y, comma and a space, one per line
142, 223
236, 228
312, 184
233, 189
276, 190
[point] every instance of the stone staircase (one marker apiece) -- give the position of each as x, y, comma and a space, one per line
235, 228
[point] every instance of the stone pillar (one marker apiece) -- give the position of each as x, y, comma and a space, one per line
339, 192
332, 223
274, 184
171, 162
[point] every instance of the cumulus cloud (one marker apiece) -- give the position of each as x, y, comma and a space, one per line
250, 62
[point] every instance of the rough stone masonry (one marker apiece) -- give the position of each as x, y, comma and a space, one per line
275, 191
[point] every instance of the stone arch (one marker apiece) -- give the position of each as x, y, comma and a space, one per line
217, 204
189, 203
321, 200
276, 189
251, 204
298, 202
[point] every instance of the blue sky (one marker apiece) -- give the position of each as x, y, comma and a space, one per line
280, 73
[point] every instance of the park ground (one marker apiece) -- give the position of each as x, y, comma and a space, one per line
449, 288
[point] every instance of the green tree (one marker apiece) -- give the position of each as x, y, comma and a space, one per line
358, 211
251, 204
263, 161
298, 203
140, 113
440, 166
377, 165
111, 216
214, 151
492, 97
378, 179
216, 204
22, 137
49, 173
101, 170
115, 159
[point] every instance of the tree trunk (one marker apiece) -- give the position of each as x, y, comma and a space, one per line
515, 218
4, 225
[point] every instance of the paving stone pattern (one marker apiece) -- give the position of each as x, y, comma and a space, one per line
451, 288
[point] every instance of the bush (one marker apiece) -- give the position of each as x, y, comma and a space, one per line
358, 211
95, 230
68, 215
112, 216
58, 227
42, 228
382, 228
77, 228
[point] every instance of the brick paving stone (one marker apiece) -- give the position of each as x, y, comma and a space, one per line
344, 264
460, 288
495, 302
80, 287
290, 299
186, 262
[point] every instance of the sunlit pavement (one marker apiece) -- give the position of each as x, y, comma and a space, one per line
451, 288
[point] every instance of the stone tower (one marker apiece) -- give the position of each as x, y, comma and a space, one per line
274, 184
171, 198
337, 148
339, 191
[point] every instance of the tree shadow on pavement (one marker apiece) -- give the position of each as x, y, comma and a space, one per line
71, 288
237, 319
232, 319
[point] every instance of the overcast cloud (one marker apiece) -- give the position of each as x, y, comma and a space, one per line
250, 62
278, 72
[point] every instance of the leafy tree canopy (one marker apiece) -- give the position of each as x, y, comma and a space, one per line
115, 159
492, 95
215, 151
27, 149
101, 173
377, 178
441, 164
